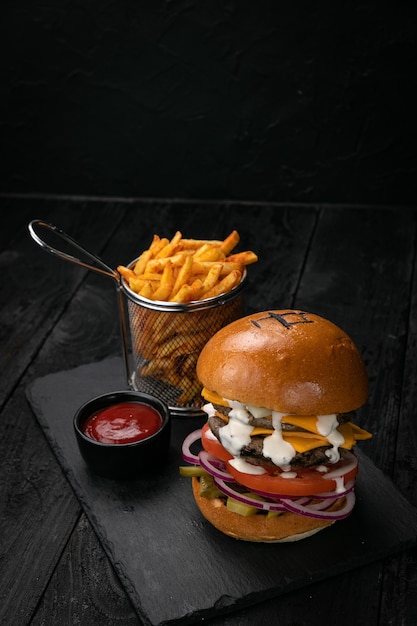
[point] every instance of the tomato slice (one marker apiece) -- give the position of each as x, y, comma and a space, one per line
308, 481
213, 446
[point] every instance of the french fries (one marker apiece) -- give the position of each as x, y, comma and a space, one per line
179, 270
185, 270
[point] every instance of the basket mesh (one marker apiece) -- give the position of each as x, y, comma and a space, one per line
166, 346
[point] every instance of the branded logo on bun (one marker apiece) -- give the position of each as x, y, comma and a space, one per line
276, 460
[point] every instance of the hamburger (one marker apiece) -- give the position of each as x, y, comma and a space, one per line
280, 391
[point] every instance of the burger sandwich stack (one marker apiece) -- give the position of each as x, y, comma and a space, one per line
275, 459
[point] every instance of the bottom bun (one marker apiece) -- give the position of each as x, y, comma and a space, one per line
283, 528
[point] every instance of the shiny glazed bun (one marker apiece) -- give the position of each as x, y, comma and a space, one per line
286, 527
286, 360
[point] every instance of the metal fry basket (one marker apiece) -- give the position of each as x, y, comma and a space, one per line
166, 338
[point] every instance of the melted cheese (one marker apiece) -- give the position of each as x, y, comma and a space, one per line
213, 397
305, 441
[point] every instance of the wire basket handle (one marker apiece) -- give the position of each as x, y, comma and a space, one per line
98, 266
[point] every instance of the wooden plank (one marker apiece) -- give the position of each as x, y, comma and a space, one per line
400, 575
38, 512
405, 468
15, 214
35, 287
358, 274
351, 279
84, 588
35, 495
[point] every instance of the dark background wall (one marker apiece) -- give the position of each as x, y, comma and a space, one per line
283, 101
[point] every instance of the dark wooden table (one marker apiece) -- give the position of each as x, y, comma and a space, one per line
355, 265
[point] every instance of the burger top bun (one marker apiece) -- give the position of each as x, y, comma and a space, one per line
286, 360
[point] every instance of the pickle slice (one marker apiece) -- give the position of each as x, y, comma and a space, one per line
240, 507
208, 489
245, 509
192, 470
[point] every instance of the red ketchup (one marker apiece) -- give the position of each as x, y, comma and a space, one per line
126, 422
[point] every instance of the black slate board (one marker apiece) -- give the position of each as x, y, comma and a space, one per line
175, 567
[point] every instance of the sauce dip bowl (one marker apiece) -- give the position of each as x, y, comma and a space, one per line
123, 434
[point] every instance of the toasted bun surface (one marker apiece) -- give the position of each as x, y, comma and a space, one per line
286, 360
283, 528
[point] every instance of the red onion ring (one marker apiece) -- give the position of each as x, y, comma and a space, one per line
331, 495
187, 455
350, 465
309, 511
240, 497
334, 495
214, 467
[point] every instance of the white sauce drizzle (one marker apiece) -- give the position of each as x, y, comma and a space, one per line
209, 409
258, 411
327, 426
235, 435
288, 475
275, 448
247, 468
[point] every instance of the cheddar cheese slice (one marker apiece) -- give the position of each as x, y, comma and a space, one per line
213, 397
305, 441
